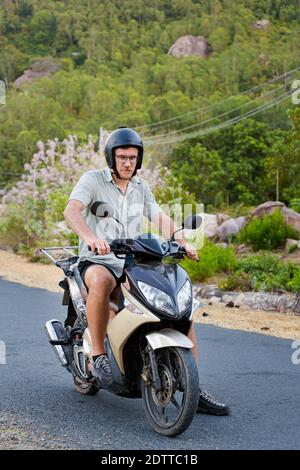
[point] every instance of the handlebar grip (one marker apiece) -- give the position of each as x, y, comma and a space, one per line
96, 252
183, 251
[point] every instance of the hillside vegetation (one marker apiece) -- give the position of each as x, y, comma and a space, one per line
115, 70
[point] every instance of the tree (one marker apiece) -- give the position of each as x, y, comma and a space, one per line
200, 171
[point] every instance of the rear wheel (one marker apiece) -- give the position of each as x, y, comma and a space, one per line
171, 410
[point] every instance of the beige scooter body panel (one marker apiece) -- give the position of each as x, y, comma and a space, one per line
125, 323
131, 318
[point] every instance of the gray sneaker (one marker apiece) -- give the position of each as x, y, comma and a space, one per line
102, 371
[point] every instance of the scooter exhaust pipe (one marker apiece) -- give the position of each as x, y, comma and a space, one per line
56, 332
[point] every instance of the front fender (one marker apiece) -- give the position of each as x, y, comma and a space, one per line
167, 338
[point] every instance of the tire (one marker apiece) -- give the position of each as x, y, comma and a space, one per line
85, 388
179, 376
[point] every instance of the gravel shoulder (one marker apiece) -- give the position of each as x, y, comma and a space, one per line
18, 269
18, 433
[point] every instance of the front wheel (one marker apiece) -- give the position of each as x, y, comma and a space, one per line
171, 410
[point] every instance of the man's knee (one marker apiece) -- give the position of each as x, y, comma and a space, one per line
99, 279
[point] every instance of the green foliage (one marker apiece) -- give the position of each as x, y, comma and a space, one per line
295, 204
292, 248
265, 272
294, 283
268, 232
173, 195
199, 170
26, 230
236, 281
213, 260
227, 167
116, 70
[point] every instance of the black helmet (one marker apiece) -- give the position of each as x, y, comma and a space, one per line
123, 137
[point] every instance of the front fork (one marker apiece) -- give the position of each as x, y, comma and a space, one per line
153, 369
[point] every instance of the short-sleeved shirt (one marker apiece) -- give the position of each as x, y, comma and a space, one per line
129, 209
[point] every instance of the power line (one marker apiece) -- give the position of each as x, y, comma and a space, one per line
230, 122
182, 116
225, 124
249, 103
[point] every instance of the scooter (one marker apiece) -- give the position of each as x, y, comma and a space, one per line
146, 343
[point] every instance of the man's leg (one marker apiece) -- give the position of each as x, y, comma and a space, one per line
193, 338
207, 404
114, 303
115, 299
100, 283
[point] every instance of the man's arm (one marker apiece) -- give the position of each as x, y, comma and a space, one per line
73, 217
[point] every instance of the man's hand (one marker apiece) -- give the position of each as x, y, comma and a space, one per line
190, 250
97, 244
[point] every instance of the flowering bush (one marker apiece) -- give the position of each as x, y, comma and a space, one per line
35, 205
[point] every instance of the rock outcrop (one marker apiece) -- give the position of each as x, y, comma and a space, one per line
211, 223
229, 228
190, 46
291, 217
262, 24
41, 68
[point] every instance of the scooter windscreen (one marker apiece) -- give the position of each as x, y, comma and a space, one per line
153, 243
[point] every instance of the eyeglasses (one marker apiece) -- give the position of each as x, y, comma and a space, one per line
122, 159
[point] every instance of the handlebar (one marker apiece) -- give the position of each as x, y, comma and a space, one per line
122, 250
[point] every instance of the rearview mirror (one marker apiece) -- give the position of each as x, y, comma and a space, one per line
102, 209
192, 222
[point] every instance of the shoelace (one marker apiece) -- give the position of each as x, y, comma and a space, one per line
102, 362
210, 398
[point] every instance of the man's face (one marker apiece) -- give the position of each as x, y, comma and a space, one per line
126, 160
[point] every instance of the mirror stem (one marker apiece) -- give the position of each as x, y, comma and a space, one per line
178, 230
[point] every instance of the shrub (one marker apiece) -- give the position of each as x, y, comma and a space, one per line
295, 204
267, 273
294, 283
292, 248
267, 233
213, 259
236, 281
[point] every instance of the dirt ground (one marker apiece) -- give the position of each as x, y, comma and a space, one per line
17, 269
19, 433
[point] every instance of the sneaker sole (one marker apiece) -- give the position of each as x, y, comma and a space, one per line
214, 413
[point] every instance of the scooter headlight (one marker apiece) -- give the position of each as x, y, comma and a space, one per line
184, 297
156, 297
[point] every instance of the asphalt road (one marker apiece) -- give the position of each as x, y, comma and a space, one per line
253, 373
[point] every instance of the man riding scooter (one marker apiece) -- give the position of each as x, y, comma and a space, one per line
102, 272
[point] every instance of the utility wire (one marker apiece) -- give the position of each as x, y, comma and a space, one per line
230, 122
182, 116
249, 103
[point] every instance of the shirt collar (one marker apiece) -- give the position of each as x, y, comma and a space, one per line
135, 180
